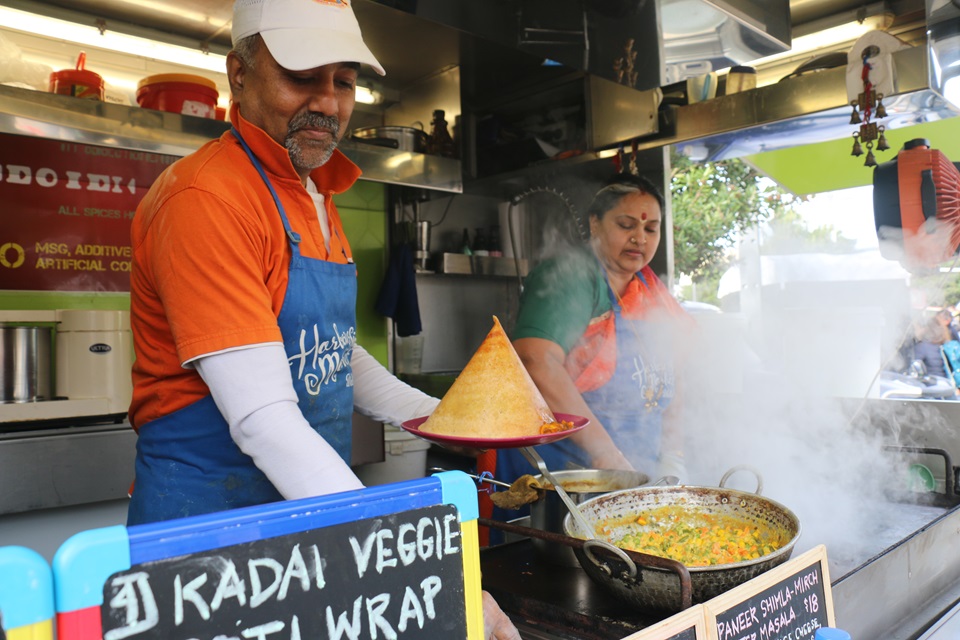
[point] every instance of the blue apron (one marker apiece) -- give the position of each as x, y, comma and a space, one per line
630, 406
187, 463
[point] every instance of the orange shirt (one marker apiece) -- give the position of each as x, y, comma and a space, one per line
210, 259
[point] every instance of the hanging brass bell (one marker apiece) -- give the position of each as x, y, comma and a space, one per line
857, 149
881, 110
855, 116
882, 142
870, 160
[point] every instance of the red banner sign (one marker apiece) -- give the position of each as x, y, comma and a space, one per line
66, 215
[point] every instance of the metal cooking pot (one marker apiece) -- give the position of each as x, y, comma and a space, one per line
615, 514
25, 355
548, 512
401, 138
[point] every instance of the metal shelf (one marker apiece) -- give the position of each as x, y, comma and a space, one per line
45, 115
472, 265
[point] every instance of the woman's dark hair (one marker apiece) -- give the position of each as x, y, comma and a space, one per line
619, 186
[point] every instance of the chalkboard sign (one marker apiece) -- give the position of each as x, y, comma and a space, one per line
397, 561
399, 575
689, 624
789, 602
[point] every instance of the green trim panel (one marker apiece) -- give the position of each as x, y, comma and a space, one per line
828, 166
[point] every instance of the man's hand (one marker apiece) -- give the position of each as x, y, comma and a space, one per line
496, 624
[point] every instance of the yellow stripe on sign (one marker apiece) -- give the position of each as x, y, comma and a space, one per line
39, 631
471, 579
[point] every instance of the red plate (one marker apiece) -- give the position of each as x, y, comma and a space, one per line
413, 426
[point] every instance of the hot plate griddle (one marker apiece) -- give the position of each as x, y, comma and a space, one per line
553, 602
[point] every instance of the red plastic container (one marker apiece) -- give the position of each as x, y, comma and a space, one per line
179, 93
79, 82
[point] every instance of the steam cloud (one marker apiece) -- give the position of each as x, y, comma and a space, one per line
787, 387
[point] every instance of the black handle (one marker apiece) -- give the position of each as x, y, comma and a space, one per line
949, 487
381, 142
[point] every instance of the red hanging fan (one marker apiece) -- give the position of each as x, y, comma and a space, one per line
916, 206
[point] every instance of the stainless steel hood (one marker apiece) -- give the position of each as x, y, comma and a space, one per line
701, 36
794, 112
671, 39
417, 38
943, 38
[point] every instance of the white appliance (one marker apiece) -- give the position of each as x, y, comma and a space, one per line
93, 353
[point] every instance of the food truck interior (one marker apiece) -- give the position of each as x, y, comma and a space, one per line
540, 98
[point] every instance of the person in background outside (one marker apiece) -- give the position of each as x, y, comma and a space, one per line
931, 334
243, 288
599, 334
945, 318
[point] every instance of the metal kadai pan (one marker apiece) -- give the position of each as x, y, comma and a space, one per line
615, 514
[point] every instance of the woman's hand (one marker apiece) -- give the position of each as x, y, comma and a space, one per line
496, 624
611, 459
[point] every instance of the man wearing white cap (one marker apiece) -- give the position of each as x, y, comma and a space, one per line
243, 288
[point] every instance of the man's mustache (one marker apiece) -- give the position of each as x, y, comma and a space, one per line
314, 121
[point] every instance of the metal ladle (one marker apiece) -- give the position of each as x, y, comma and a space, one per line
585, 527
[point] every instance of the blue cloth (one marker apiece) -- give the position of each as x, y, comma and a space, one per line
951, 351
187, 462
398, 292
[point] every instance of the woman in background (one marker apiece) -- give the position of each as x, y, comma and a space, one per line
598, 332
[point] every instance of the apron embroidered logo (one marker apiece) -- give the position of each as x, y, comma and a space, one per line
653, 381
319, 363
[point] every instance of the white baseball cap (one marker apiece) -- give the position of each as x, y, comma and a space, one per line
303, 34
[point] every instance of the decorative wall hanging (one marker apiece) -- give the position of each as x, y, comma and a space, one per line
870, 77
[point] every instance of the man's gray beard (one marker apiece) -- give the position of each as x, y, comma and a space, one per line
293, 145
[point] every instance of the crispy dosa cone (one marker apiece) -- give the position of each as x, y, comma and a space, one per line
493, 397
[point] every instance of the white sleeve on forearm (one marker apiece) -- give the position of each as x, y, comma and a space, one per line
253, 390
379, 395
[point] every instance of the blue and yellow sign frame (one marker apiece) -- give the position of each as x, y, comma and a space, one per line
84, 562
26, 594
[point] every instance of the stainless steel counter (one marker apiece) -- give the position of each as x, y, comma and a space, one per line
905, 589
58, 467
76, 464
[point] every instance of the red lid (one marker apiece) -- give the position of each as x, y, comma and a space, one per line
178, 78
78, 76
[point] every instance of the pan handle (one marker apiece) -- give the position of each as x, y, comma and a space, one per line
588, 546
743, 467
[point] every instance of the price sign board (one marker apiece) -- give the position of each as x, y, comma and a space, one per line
67, 212
689, 624
788, 602
401, 561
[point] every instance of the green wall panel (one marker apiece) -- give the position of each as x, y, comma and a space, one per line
47, 300
828, 166
363, 211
